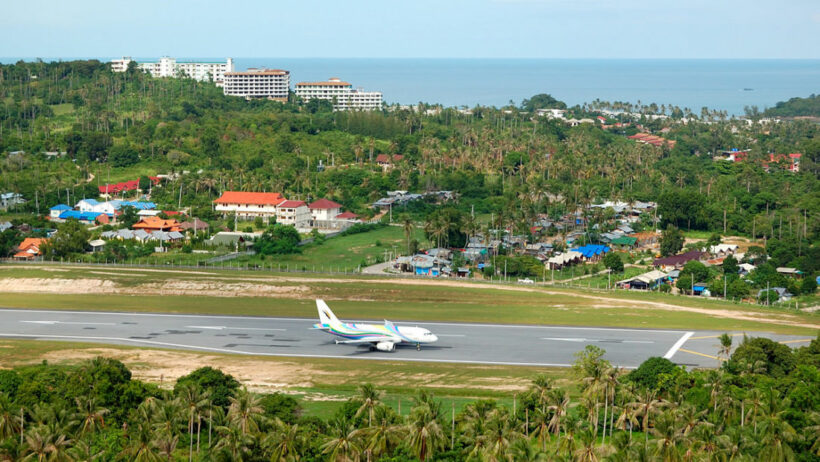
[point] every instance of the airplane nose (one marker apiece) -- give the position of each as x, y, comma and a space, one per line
435, 338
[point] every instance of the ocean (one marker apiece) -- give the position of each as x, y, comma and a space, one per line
728, 85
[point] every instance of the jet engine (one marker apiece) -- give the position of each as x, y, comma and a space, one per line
385, 346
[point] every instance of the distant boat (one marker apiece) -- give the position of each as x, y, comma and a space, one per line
748, 89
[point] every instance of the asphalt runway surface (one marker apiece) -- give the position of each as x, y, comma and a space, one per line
523, 345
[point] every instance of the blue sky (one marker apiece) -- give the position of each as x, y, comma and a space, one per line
420, 28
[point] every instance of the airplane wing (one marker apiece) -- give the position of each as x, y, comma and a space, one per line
373, 339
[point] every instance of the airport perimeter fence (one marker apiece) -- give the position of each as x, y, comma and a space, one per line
346, 271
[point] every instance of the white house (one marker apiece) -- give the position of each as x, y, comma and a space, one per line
324, 210
294, 213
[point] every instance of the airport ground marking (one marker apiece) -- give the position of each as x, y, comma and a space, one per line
678, 345
715, 336
802, 340
700, 354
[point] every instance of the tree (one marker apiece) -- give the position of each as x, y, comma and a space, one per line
761, 355
278, 240
671, 241
614, 262
71, 238
128, 216
730, 267
648, 374
737, 289
713, 240
220, 386
542, 101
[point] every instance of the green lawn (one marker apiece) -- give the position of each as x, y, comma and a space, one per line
341, 253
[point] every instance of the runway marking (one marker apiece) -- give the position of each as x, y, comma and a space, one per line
677, 345
450, 335
292, 355
231, 328
574, 339
715, 336
802, 340
701, 354
216, 316
72, 322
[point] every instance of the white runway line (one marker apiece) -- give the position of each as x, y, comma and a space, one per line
562, 339
71, 322
231, 328
574, 339
450, 335
677, 345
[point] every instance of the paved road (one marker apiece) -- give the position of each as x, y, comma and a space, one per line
458, 342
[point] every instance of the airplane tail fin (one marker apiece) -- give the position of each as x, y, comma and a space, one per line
325, 315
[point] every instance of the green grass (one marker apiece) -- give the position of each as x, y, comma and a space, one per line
341, 252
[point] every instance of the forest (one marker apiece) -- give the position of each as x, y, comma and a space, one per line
761, 405
505, 162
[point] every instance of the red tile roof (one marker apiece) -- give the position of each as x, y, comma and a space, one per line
291, 204
157, 224
32, 243
125, 186
385, 159
323, 204
347, 216
255, 198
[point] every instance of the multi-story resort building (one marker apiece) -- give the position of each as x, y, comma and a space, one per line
258, 83
341, 94
170, 67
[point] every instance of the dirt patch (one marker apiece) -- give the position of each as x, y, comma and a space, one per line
165, 367
58, 285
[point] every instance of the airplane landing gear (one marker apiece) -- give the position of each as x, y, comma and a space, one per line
418, 347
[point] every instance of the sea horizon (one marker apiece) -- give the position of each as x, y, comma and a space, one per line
728, 84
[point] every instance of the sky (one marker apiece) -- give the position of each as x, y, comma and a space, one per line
412, 28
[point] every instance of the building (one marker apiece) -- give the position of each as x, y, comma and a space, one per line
295, 213
249, 205
170, 67
677, 261
323, 212
258, 83
341, 94
30, 248
9, 200
151, 224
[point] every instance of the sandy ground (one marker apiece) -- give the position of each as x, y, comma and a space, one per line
261, 375
216, 285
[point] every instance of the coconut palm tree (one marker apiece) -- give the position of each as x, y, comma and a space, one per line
669, 436
369, 398
284, 443
166, 444
140, 445
9, 418
245, 411
234, 443
499, 436
82, 450
343, 443
90, 417
646, 406
559, 407
45, 444
424, 432
385, 433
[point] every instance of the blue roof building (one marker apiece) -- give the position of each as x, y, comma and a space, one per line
592, 250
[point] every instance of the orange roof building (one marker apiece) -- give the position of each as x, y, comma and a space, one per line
29, 248
150, 224
248, 205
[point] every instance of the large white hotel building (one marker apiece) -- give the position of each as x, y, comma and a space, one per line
258, 83
342, 94
170, 67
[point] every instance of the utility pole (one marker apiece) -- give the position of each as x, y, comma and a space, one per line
724, 287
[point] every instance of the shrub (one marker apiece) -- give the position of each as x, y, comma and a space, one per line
649, 373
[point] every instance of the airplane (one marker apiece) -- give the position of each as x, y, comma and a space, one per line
379, 337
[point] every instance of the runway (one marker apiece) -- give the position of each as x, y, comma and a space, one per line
522, 345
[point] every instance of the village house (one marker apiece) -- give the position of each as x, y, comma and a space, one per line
295, 213
324, 214
11, 199
151, 224
386, 161
29, 249
677, 261
249, 205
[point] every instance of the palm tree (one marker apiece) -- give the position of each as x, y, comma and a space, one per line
370, 398
84, 451
669, 436
343, 443
45, 444
645, 407
424, 431
407, 225
284, 443
140, 446
245, 411
9, 418
523, 451
776, 432
166, 444
813, 432
91, 417
385, 433
500, 435
234, 442
560, 406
